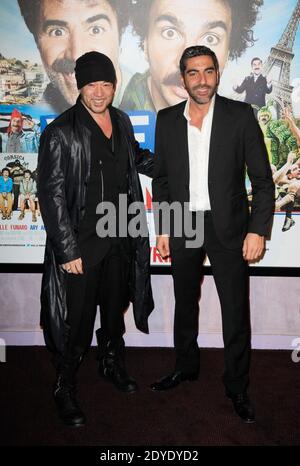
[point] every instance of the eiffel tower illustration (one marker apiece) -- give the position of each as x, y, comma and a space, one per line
278, 64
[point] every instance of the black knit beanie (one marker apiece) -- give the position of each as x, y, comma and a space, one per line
92, 67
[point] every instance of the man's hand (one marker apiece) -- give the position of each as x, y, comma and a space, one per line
162, 244
253, 246
30, 123
74, 266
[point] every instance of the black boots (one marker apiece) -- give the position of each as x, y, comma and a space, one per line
64, 393
112, 363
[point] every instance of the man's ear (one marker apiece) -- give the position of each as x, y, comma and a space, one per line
115, 84
182, 80
218, 77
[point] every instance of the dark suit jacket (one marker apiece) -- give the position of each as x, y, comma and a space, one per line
236, 143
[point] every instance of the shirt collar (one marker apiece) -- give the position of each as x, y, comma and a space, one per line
186, 112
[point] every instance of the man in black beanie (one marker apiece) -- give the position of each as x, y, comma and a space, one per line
88, 156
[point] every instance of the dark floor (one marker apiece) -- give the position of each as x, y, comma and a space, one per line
195, 413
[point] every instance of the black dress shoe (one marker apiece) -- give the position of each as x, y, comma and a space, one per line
243, 407
172, 380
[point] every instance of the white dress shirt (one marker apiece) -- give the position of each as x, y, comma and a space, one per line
198, 145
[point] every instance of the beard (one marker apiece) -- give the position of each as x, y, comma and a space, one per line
201, 100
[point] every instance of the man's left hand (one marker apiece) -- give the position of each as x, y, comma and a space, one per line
253, 246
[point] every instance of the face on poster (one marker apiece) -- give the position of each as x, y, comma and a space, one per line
145, 39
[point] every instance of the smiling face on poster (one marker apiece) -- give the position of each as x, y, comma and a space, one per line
172, 28
66, 29
65, 33
165, 28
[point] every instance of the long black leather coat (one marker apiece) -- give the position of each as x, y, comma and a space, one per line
63, 173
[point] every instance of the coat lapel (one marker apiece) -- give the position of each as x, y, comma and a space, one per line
84, 136
217, 134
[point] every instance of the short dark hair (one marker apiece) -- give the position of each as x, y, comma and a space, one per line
243, 13
30, 12
254, 59
197, 51
27, 171
5, 169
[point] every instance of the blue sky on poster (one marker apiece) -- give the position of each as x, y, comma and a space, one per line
16, 41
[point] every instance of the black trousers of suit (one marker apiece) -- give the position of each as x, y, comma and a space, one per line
231, 278
105, 283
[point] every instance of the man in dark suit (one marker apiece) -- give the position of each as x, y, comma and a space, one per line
255, 86
202, 148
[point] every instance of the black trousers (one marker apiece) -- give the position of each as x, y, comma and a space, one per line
106, 284
231, 278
